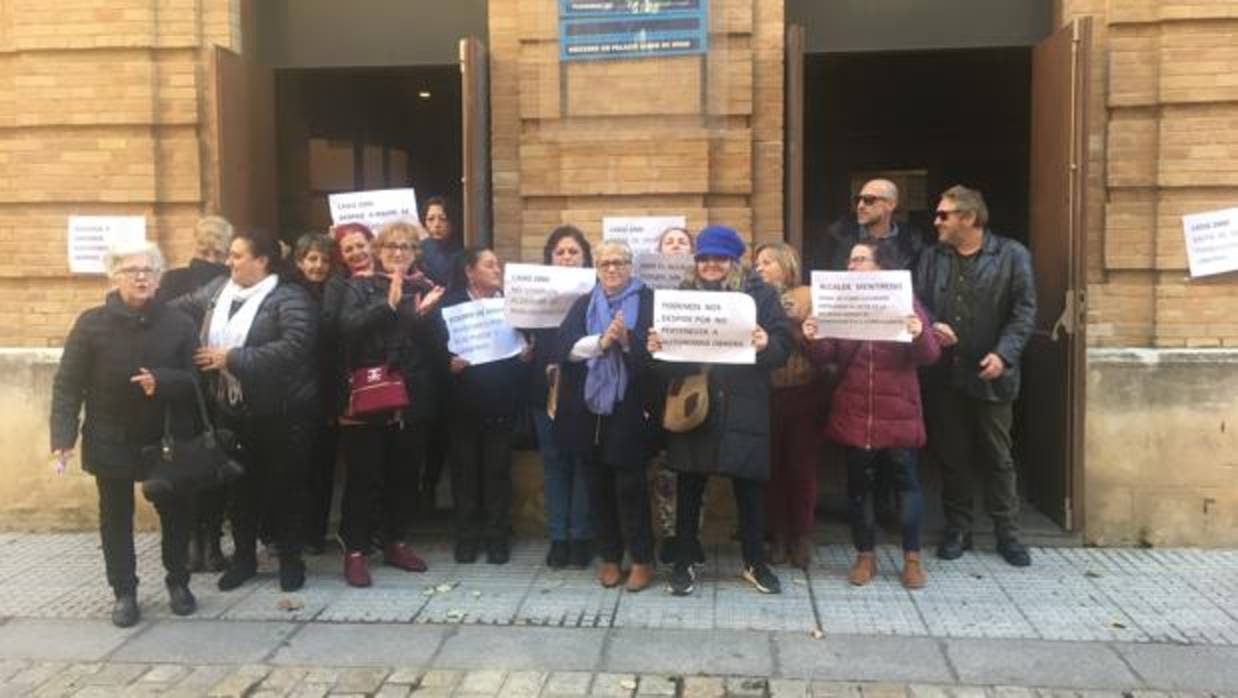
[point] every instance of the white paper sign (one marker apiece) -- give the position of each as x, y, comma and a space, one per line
90, 236
640, 232
478, 334
867, 305
662, 271
539, 295
1212, 241
705, 326
374, 208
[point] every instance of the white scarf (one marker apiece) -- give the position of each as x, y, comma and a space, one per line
230, 332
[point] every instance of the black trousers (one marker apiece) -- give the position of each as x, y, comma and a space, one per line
690, 488
275, 452
438, 453
971, 439
384, 462
116, 532
208, 507
620, 500
320, 482
481, 476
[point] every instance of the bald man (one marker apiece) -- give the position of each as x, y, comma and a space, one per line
874, 218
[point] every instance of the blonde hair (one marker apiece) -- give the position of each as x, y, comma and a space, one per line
212, 234
784, 255
116, 253
402, 231
611, 247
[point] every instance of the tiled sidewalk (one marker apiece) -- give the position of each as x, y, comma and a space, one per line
1069, 594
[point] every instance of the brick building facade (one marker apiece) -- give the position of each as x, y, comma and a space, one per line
110, 107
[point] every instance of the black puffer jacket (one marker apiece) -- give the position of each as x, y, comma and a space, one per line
1004, 290
845, 233
374, 334
628, 436
105, 348
734, 440
332, 387
277, 367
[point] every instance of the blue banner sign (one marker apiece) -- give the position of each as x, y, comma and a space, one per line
610, 29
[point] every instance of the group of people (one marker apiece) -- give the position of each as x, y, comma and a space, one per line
277, 343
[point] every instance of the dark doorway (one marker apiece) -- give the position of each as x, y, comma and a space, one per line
353, 129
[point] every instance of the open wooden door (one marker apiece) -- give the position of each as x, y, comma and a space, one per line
245, 119
475, 112
1054, 362
793, 156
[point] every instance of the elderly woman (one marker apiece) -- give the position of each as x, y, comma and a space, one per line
734, 439
482, 407
387, 321
796, 408
609, 402
130, 361
260, 335
875, 414
568, 520
211, 236
314, 255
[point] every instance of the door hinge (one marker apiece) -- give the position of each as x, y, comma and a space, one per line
1066, 321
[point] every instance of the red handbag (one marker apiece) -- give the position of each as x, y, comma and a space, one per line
374, 389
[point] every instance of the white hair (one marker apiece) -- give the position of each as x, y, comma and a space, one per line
117, 252
612, 246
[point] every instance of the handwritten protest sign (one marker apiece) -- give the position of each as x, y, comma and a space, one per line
705, 326
640, 232
90, 236
1211, 241
870, 305
540, 296
374, 208
662, 270
478, 334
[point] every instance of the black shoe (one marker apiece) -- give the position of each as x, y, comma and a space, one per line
581, 554
762, 578
667, 553
196, 561
1013, 552
556, 558
125, 612
238, 573
291, 573
683, 580
466, 551
214, 558
953, 543
498, 552
181, 600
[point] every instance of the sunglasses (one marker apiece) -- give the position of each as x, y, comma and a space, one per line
943, 214
868, 199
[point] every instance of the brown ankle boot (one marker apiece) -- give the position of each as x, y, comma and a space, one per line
801, 552
913, 573
639, 577
609, 574
864, 569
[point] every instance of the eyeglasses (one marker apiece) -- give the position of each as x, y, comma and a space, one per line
399, 247
942, 214
868, 199
134, 272
613, 264
860, 259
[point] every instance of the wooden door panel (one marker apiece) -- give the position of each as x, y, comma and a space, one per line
475, 112
793, 203
245, 119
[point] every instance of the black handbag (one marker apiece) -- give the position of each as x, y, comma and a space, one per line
180, 467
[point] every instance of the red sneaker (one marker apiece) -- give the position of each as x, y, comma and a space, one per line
356, 572
399, 555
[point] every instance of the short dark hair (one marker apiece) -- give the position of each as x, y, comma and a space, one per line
465, 260
313, 242
567, 231
885, 254
441, 202
263, 244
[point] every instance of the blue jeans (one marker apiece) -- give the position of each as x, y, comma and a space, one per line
566, 486
900, 465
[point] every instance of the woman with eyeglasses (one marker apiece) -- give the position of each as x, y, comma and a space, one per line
388, 322
733, 442
129, 361
875, 414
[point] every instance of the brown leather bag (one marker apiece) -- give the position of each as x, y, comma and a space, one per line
687, 402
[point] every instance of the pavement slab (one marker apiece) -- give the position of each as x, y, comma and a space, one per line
521, 648
1072, 665
205, 642
689, 652
61, 640
359, 645
861, 658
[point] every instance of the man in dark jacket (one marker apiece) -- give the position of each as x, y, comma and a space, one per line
980, 289
874, 219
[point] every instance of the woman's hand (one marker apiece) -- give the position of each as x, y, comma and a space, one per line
211, 358
809, 328
945, 334
430, 300
616, 331
61, 458
395, 292
146, 380
653, 343
914, 326
458, 364
760, 339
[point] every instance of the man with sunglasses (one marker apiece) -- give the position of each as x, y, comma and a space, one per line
874, 219
979, 288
